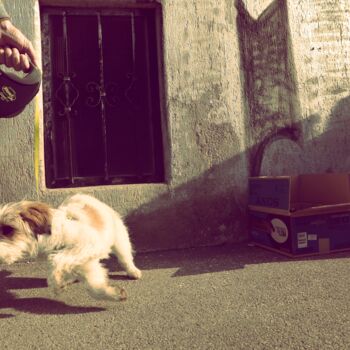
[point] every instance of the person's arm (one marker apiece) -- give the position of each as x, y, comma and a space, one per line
15, 48
3, 12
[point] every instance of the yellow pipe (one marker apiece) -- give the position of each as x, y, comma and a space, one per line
36, 142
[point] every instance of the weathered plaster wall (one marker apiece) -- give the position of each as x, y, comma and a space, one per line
208, 164
16, 135
203, 200
270, 85
252, 88
321, 44
308, 130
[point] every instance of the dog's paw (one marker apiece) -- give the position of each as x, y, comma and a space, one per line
134, 273
56, 288
58, 281
107, 293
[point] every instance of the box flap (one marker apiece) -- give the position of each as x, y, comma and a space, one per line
299, 192
320, 189
267, 210
322, 209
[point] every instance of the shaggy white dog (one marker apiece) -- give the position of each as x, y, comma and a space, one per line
74, 237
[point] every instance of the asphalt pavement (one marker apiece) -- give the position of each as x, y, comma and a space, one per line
228, 297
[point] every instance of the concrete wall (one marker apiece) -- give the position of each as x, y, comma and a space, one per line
252, 87
299, 111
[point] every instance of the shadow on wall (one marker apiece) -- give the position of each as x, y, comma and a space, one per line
281, 142
211, 208
273, 108
203, 211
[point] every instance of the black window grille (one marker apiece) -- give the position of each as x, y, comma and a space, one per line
102, 96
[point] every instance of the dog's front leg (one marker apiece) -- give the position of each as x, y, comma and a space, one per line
62, 271
67, 268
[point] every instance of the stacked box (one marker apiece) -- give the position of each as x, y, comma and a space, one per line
300, 215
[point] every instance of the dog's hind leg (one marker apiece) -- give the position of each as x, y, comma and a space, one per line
96, 280
122, 248
123, 252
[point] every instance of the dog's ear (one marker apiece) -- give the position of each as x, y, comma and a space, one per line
38, 216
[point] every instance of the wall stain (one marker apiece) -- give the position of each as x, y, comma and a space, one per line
269, 77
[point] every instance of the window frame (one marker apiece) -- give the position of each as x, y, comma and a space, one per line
160, 144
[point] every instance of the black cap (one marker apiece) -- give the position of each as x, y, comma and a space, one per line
16, 92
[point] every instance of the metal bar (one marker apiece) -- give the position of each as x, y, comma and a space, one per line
133, 41
49, 125
67, 112
133, 79
92, 11
149, 94
132, 75
103, 97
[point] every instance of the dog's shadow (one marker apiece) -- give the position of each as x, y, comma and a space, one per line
39, 306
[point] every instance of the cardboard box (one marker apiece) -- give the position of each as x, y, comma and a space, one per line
300, 215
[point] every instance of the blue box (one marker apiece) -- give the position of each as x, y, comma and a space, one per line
300, 215
270, 192
316, 233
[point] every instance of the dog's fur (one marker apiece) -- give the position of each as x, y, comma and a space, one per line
75, 237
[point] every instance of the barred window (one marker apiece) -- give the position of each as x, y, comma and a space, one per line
102, 96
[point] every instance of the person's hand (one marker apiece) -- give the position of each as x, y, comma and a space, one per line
15, 48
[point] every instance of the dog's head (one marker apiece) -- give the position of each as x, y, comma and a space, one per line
20, 225
37, 216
